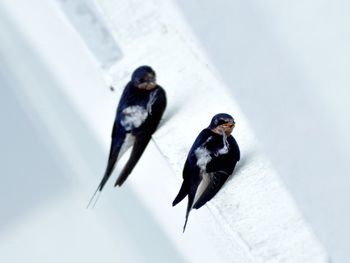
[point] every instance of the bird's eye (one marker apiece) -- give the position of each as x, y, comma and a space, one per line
221, 122
149, 80
229, 124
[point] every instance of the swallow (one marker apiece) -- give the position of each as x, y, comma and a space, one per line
139, 112
210, 161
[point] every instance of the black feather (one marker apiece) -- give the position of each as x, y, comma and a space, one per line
182, 194
137, 150
217, 180
218, 165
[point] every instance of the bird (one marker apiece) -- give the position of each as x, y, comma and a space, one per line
138, 114
210, 161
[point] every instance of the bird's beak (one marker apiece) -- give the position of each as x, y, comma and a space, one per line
229, 125
151, 85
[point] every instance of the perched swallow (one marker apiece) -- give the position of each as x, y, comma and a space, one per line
211, 160
140, 109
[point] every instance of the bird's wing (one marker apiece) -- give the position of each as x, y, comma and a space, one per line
195, 182
155, 109
191, 171
191, 195
188, 188
200, 141
118, 142
140, 145
211, 184
188, 173
143, 134
192, 179
191, 175
234, 148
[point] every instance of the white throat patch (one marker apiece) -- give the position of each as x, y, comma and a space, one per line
151, 100
225, 148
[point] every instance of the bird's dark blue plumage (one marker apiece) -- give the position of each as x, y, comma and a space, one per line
139, 111
211, 160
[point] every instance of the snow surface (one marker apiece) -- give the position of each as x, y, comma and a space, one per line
287, 64
254, 200
252, 219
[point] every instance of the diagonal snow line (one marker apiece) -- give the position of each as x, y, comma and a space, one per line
234, 234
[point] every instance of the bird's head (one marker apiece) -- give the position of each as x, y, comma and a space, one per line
222, 123
144, 77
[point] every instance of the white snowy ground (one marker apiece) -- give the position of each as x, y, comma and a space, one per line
287, 64
63, 94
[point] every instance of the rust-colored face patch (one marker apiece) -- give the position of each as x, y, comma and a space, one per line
148, 82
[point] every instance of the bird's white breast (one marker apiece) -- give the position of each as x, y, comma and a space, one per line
203, 157
133, 117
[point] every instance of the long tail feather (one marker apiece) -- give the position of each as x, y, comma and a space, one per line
138, 149
181, 195
189, 208
113, 156
184, 228
92, 198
